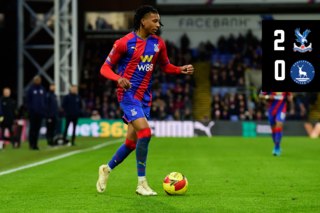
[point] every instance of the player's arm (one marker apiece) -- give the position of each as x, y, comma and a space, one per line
265, 95
289, 96
168, 68
119, 48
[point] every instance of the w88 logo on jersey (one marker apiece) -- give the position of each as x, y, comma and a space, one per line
146, 67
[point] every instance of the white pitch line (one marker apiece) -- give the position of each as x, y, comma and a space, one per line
61, 156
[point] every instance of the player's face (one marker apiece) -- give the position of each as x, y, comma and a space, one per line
6, 93
74, 90
53, 87
152, 23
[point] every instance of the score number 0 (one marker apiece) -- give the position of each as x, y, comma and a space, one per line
279, 62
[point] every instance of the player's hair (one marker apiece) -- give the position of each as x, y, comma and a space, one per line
140, 13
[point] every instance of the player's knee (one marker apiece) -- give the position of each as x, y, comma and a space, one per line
130, 144
145, 133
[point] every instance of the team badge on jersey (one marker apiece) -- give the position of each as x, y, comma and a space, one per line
302, 72
302, 39
133, 111
156, 47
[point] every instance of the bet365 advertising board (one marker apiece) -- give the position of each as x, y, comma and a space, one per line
116, 128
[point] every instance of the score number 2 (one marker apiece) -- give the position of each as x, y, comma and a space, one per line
279, 62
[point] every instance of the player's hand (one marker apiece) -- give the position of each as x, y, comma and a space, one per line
187, 69
124, 83
266, 97
270, 97
290, 98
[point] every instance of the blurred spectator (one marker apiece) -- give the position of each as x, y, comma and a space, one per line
240, 42
242, 117
202, 51
184, 43
241, 83
154, 112
230, 43
250, 104
222, 45
178, 89
71, 105
162, 113
52, 114
188, 79
259, 116
177, 115
224, 115
223, 79
209, 49
249, 38
118, 114
179, 103
95, 115
8, 114
232, 106
250, 115
37, 106
232, 79
215, 80
187, 116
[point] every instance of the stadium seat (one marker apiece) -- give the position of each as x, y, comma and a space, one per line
194, 52
234, 118
247, 61
215, 90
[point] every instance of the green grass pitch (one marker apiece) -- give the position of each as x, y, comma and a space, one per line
225, 174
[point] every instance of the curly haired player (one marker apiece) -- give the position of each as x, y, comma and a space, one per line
137, 54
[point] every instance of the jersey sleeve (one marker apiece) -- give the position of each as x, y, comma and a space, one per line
163, 57
264, 93
289, 93
119, 49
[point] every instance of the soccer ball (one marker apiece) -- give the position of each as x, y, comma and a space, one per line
175, 184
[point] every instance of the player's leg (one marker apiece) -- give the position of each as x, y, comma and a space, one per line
144, 135
74, 120
68, 121
49, 131
278, 132
277, 136
9, 126
272, 122
125, 149
121, 154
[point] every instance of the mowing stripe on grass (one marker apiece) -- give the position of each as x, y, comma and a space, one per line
62, 156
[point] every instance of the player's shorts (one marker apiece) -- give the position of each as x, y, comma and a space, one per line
279, 116
134, 109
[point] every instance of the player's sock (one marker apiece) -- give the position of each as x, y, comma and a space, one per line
121, 154
273, 135
144, 137
277, 137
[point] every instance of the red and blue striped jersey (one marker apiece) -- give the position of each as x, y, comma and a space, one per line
278, 103
136, 60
